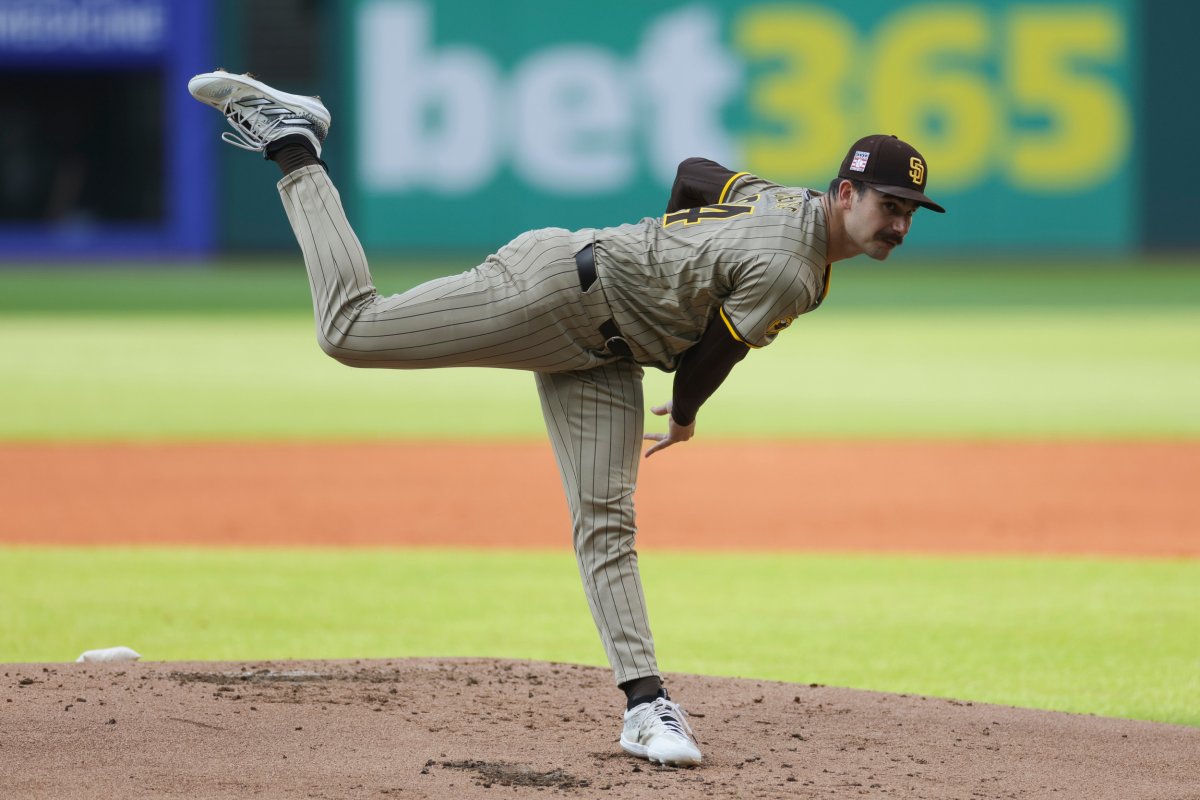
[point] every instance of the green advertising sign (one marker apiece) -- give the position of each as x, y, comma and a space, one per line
473, 122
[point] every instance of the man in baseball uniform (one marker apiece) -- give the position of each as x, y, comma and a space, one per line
728, 267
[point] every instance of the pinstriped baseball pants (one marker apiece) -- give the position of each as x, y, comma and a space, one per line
520, 309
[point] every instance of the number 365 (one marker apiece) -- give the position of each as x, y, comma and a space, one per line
1028, 93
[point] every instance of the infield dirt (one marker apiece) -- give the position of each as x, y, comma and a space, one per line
442, 729
487, 729
1126, 499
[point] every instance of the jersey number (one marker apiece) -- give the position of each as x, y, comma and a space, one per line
693, 215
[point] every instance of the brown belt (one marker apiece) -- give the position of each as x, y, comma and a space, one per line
614, 342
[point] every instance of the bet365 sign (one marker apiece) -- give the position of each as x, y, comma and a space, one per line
474, 121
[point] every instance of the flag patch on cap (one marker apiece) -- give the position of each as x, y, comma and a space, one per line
859, 164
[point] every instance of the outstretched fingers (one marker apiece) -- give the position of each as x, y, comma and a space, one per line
676, 433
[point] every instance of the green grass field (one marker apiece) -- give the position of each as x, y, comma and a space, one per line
993, 353
1040, 351
1085, 635
945, 374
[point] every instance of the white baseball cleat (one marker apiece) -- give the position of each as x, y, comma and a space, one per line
659, 731
259, 114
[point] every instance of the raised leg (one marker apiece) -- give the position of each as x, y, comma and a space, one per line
521, 308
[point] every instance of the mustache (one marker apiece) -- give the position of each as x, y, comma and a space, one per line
891, 238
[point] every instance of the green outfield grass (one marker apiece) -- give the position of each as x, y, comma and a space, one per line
938, 374
1085, 635
277, 283
948, 352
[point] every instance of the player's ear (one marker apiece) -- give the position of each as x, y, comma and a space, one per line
845, 194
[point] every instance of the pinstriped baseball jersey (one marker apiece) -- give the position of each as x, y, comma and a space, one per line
757, 258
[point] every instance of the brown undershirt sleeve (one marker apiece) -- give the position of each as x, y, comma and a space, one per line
703, 368
698, 182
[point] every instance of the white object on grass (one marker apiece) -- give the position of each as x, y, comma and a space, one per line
109, 654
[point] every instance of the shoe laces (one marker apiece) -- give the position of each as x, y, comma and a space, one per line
669, 715
244, 133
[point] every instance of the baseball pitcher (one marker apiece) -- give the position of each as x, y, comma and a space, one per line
725, 270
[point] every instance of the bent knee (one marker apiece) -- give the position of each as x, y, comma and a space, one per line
335, 348
346, 361
361, 358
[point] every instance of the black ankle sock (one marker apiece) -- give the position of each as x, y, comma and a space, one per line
292, 153
642, 690
634, 702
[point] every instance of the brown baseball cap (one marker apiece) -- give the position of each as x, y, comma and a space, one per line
890, 165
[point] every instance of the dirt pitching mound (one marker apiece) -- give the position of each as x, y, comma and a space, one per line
476, 728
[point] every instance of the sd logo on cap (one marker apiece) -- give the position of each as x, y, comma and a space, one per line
889, 165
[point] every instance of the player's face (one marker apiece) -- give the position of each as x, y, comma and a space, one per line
877, 223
